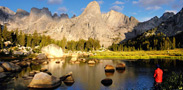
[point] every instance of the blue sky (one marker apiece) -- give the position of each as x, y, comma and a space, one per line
140, 9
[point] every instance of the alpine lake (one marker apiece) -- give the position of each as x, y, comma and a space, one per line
138, 74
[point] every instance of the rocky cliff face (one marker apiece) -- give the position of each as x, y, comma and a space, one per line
172, 25
152, 23
108, 28
5, 14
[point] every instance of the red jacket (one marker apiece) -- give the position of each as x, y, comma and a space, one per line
158, 75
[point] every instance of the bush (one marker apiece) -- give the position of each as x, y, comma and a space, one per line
173, 81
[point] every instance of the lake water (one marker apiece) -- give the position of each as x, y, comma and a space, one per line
138, 74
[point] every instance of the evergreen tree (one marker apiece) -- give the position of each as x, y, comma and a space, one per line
29, 40
63, 43
6, 35
1, 39
36, 38
81, 44
96, 44
22, 39
174, 43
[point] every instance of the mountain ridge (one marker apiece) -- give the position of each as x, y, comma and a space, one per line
108, 28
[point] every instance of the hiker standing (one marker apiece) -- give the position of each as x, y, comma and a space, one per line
158, 76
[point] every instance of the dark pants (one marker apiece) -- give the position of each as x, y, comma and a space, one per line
157, 86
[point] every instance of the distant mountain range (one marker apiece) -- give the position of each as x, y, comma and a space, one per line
108, 28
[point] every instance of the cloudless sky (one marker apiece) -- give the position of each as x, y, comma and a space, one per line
140, 9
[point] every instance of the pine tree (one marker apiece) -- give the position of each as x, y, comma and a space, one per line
174, 43
81, 44
22, 39
1, 39
35, 38
6, 35
29, 39
63, 43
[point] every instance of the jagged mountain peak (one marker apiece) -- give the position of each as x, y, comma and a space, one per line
38, 13
93, 8
6, 10
43, 11
167, 15
21, 13
64, 16
73, 16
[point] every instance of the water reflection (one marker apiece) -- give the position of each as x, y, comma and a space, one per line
108, 74
138, 74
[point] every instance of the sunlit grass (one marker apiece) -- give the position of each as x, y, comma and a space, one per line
164, 54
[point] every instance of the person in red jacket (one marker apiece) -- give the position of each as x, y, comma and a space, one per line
158, 76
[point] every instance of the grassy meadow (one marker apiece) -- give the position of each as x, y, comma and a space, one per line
163, 54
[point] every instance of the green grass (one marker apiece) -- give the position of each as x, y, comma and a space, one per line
164, 54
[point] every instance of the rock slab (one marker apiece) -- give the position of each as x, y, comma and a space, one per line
43, 80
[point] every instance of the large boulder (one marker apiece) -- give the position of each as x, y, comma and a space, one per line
43, 80
52, 51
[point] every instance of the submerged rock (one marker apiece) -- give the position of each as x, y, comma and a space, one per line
52, 51
109, 68
107, 82
43, 80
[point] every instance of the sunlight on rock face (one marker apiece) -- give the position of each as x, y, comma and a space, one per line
52, 51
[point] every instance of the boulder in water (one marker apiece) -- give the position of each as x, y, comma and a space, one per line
109, 68
91, 62
41, 56
43, 80
69, 81
120, 66
106, 82
52, 51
